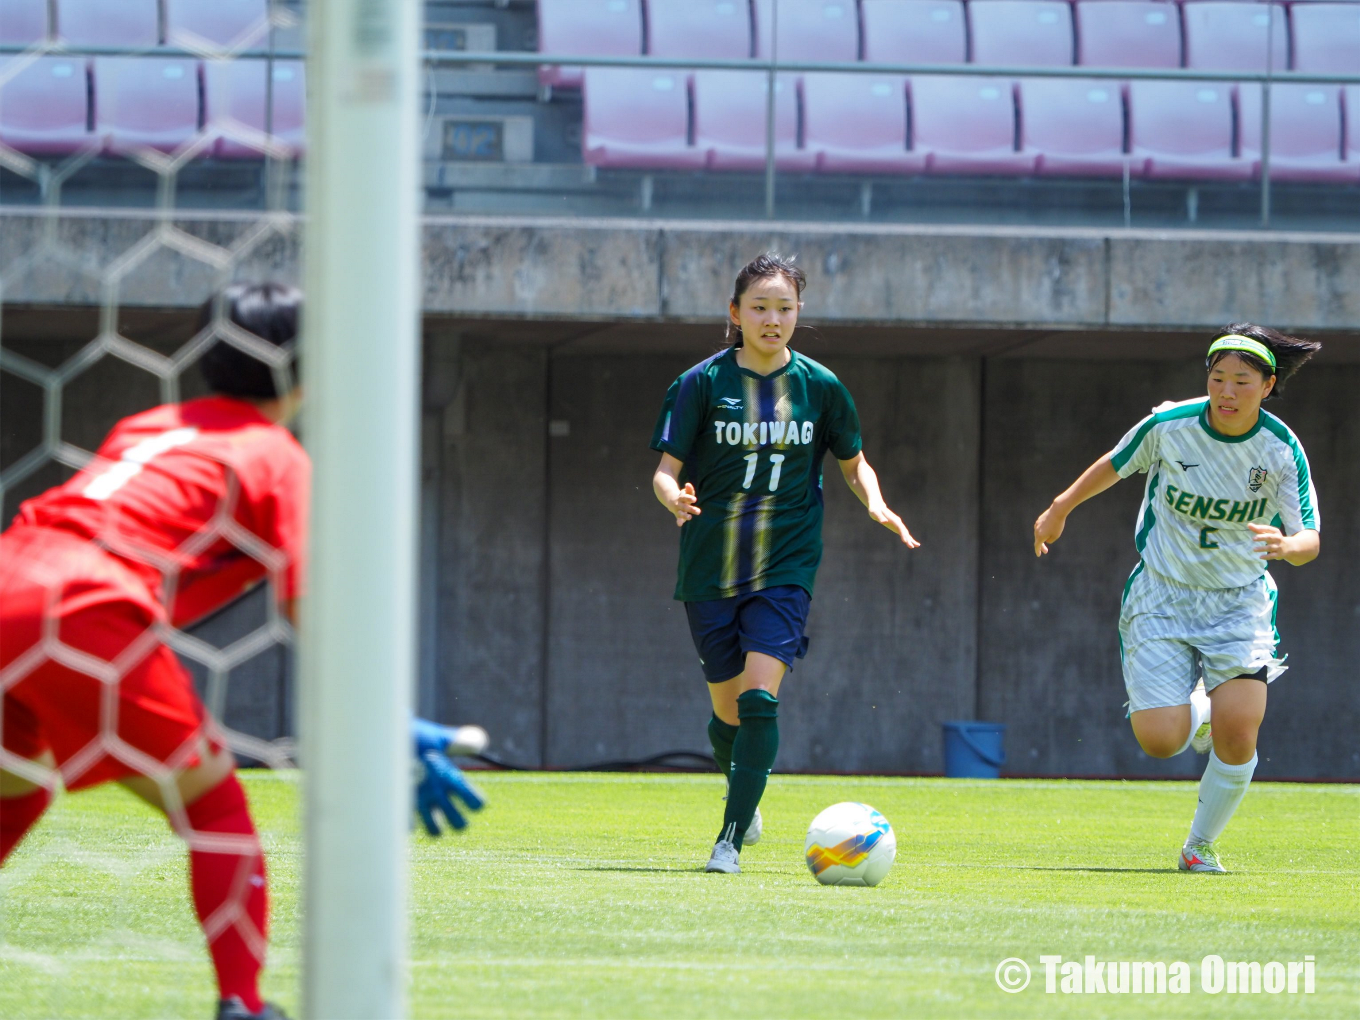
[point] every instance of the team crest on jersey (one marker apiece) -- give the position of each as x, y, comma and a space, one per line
729, 403
1256, 478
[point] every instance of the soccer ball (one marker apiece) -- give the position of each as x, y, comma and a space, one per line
850, 844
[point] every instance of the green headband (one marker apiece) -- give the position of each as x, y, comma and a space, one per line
1237, 342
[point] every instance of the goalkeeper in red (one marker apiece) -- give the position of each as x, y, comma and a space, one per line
742, 437
183, 509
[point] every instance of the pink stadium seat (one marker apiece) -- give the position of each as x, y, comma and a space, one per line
914, 31
23, 22
637, 118
234, 96
1128, 33
715, 29
45, 107
1232, 36
966, 125
1033, 33
145, 102
857, 123
124, 24
595, 28
1305, 132
826, 30
222, 23
729, 121
1326, 38
1183, 130
1072, 127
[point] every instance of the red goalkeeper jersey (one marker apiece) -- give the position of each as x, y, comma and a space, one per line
203, 500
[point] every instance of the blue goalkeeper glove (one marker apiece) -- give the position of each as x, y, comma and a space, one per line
442, 780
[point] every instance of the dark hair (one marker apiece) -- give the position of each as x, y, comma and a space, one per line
266, 310
1290, 352
762, 268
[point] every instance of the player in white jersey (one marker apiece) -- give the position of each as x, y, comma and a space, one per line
1228, 488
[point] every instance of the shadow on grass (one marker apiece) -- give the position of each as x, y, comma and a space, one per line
1121, 871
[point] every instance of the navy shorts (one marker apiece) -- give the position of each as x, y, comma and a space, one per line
769, 621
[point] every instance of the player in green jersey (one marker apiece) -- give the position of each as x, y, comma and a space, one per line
742, 436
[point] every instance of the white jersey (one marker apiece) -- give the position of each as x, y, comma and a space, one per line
1204, 488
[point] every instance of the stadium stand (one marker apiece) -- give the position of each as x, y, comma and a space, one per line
23, 22
714, 29
1305, 132
1033, 33
224, 24
1222, 35
966, 126
637, 118
726, 106
45, 107
588, 28
1128, 33
1072, 127
857, 123
234, 98
115, 24
145, 102
824, 30
1183, 130
1326, 38
914, 31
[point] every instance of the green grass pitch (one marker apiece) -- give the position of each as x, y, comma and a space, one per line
581, 896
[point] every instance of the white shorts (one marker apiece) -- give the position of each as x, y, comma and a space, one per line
1171, 634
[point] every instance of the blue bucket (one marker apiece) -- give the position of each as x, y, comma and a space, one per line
974, 750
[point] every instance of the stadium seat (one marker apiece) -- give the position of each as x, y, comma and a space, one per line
45, 107
1183, 130
222, 23
145, 102
122, 24
1033, 33
857, 123
1232, 36
729, 121
1072, 126
966, 125
23, 22
914, 31
1305, 132
589, 28
637, 118
826, 30
1326, 38
714, 29
234, 103
1128, 33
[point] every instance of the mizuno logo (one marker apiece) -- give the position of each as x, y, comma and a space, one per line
1185, 466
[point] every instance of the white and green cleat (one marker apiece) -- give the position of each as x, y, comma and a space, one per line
724, 858
1203, 738
1201, 857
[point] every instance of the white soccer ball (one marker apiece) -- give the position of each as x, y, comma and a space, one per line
850, 844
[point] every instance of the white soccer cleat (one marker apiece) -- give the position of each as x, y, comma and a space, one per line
724, 858
1201, 857
467, 742
753, 831
1203, 738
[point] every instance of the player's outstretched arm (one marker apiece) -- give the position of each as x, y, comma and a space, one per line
863, 483
442, 780
1093, 481
681, 501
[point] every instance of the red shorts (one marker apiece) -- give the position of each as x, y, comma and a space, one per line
82, 668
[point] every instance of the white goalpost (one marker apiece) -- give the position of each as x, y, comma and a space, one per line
361, 370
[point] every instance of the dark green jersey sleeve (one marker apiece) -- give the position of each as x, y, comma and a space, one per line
842, 423
682, 414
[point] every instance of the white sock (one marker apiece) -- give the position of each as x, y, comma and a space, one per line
1220, 791
1199, 711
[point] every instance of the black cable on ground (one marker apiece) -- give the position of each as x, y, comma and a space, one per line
669, 761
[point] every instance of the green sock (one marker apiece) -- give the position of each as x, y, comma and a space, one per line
753, 753
721, 735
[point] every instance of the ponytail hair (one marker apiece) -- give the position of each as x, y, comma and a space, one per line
762, 267
1290, 352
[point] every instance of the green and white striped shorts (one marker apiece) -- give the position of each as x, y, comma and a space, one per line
1171, 634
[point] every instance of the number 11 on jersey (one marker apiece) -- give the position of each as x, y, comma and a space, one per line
776, 465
